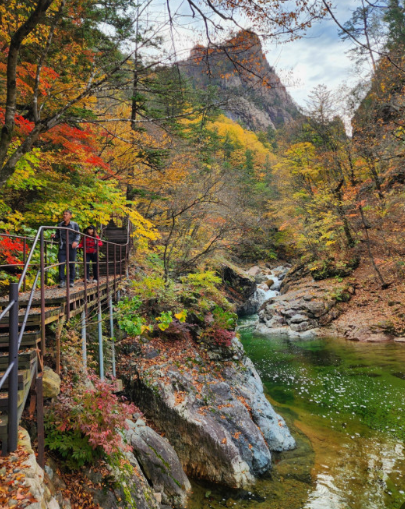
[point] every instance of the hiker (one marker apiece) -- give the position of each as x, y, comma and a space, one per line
91, 251
74, 237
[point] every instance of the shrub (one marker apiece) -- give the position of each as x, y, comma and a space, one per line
127, 316
220, 337
224, 319
148, 287
11, 251
201, 293
85, 423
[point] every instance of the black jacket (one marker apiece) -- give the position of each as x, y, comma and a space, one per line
60, 235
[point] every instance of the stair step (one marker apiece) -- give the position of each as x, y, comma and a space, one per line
4, 399
25, 392
30, 338
23, 378
25, 360
34, 317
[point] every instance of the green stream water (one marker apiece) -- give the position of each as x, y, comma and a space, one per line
345, 405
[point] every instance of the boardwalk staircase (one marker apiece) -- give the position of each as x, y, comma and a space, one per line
24, 316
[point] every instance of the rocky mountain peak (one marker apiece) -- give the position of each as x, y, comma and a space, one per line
247, 85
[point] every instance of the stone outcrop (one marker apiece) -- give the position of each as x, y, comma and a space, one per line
248, 86
239, 285
139, 493
303, 305
214, 414
160, 463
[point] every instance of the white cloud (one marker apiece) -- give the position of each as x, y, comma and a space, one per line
319, 57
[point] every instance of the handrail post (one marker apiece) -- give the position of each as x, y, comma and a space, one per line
107, 271
46, 261
115, 271
42, 294
127, 258
86, 276
98, 269
110, 305
100, 341
13, 376
40, 421
120, 261
84, 313
67, 277
24, 261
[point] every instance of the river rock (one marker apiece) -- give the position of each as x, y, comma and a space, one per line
265, 290
305, 306
215, 415
159, 463
254, 271
294, 277
298, 318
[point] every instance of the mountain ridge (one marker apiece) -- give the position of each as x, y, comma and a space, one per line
249, 88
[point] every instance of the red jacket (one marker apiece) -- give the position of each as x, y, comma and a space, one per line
91, 244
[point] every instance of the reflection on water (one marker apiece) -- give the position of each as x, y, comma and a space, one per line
345, 403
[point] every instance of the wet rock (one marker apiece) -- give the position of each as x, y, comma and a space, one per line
159, 463
367, 334
300, 327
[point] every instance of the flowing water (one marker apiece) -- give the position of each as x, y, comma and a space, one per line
345, 404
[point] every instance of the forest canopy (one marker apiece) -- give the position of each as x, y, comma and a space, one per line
99, 115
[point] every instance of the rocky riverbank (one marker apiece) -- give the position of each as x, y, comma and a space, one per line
354, 307
213, 412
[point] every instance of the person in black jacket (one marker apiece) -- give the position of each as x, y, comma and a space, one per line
74, 237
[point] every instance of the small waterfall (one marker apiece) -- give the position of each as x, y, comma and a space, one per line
264, 292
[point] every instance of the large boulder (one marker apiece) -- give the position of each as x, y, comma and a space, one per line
132, 489
51, 383
159, 463
214, 414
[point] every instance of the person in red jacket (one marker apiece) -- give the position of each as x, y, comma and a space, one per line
91, 251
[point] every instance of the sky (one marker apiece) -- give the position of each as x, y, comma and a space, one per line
318, 58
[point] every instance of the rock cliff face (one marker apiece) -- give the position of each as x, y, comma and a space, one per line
248, 87
214, 414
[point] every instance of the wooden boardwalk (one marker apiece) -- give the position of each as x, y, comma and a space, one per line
27, 314
55, 310
55, 302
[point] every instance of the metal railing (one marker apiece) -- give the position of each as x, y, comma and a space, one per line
118, 253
